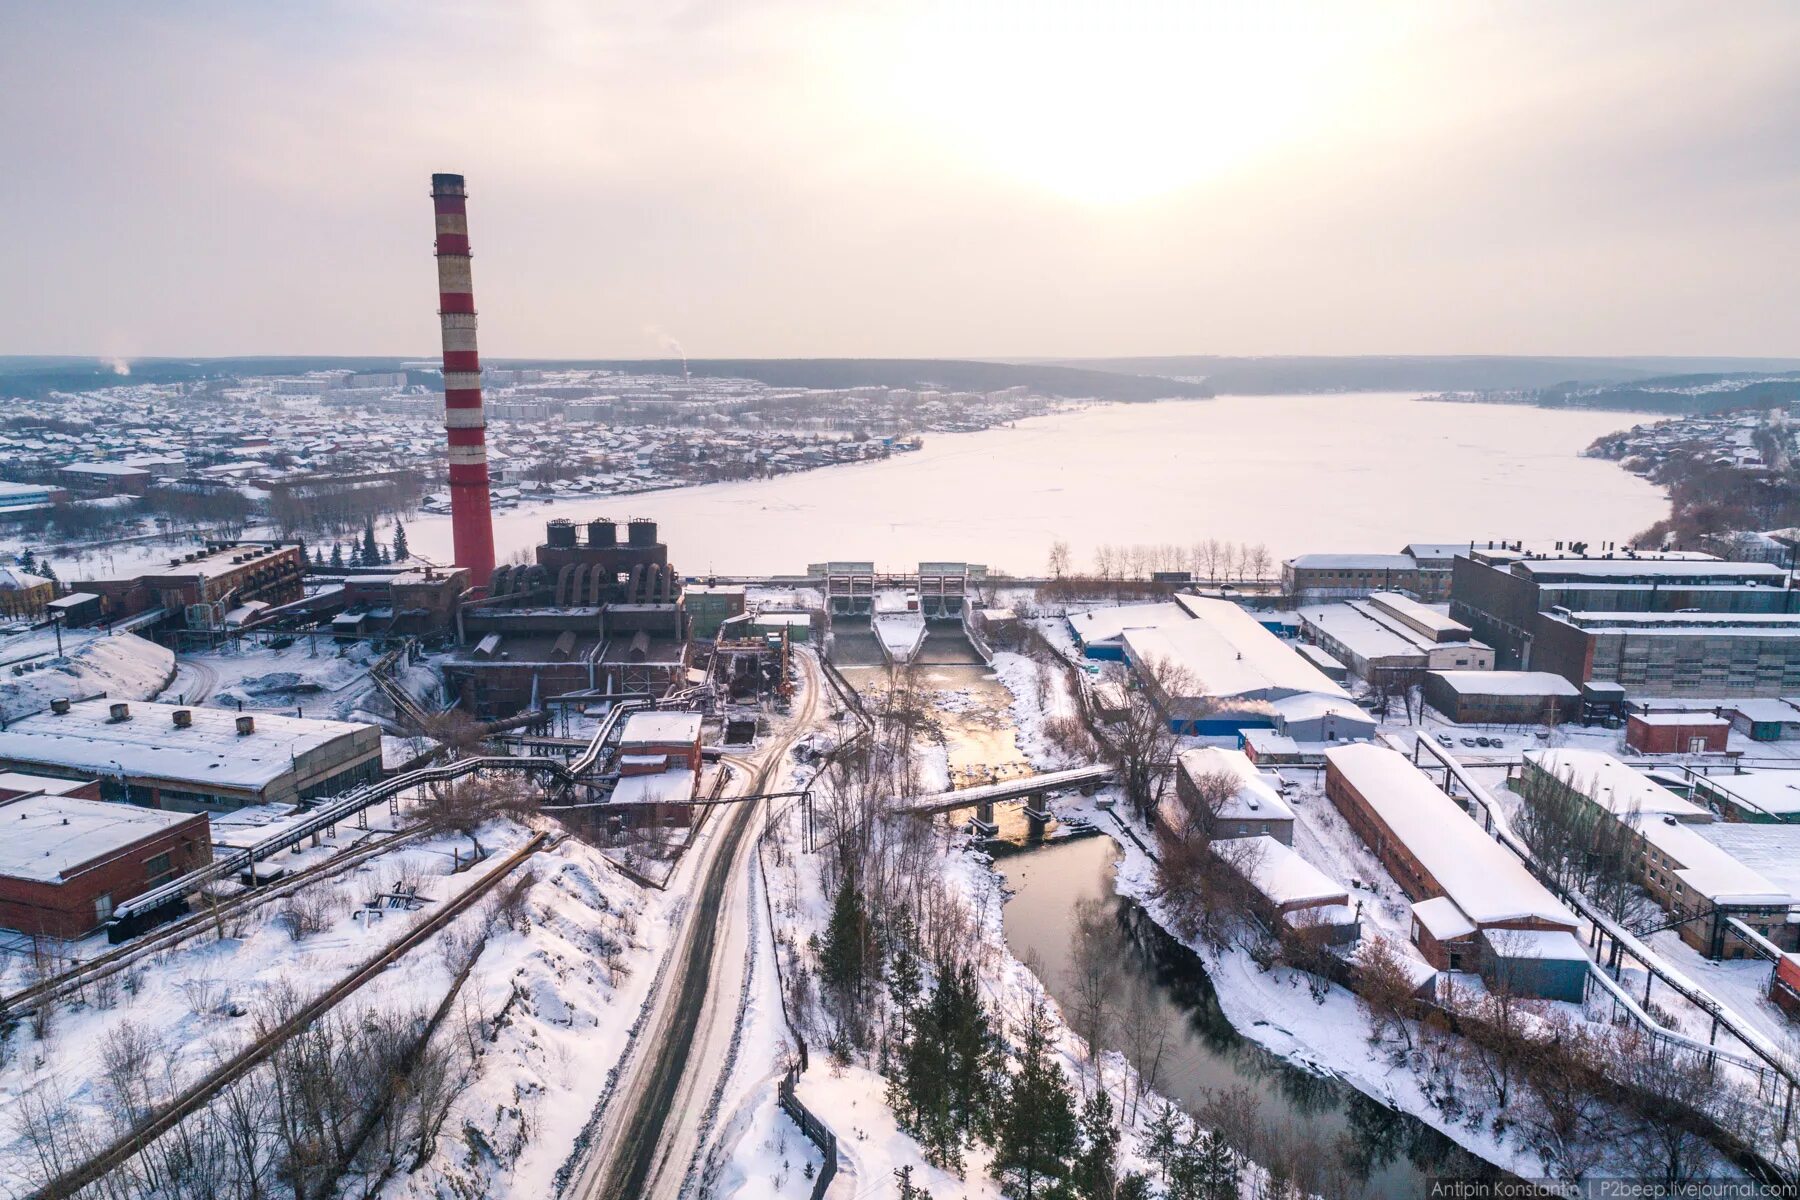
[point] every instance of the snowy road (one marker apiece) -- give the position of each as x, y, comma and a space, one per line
193, 683
656, 1125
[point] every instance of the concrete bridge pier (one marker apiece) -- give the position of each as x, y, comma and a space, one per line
1037, 812
984, 822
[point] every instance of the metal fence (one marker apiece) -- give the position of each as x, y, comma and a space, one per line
813, 1128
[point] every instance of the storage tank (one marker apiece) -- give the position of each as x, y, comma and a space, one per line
560, 533
641, 532
603, 534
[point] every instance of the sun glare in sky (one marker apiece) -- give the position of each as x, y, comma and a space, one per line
1127, 103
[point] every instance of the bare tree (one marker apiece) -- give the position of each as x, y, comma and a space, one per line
1144, 741
1059, 559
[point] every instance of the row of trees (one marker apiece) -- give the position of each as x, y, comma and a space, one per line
1215, 559
366, 551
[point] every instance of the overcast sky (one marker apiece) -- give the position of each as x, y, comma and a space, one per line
859, 178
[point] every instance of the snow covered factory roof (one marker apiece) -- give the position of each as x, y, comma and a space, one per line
1485, 880
1256, 798
149, 745
661, 729
1227, 653
46, 838
666, 787
1288, 880
1507, 683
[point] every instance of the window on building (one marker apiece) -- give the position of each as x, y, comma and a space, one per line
103, 908
159, 868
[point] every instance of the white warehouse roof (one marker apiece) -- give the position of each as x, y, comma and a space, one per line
1228, 654
660, 728
150, 746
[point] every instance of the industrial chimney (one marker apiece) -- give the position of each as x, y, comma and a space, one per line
471, 522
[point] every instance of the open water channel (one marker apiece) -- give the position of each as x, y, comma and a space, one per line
1062, 895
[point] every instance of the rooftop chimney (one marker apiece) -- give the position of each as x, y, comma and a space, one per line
471, 521
60, 706
246, 726
183, 717
120, 712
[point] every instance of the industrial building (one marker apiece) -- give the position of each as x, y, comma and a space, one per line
593, 615
1755, 797
1659, 625
1255, 808
67, 862
1676, 733
1502, 697
659, 768
1390, 635
1475, 905
1312, 577
24, 595
1295, 892
196, 590
710, 605
1230, 674
171, 757
418, 602
940, 590
1701, 883
1100, 632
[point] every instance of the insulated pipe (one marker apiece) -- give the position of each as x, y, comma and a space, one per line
471, 519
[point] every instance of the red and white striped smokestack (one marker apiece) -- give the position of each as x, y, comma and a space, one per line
471, 520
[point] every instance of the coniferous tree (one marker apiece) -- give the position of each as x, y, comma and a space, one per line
1036, 1134
318, 557
1165, 1138
1217, 1172
28, 561
843, 963
337, 556
371, 553
1133, 1187
943, 1083
386, 558
46, 570
1096, 1171
401, 552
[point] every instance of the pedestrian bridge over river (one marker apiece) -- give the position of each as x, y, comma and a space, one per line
984, 796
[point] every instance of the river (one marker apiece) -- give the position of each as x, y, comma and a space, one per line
1362, 472
1062, 898
1062, 895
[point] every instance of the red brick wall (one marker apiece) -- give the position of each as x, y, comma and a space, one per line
66, 909
1672, 739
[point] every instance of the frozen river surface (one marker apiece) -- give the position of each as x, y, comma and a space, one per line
1297, 473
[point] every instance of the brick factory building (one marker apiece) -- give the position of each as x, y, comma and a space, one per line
1677, 733
222, 577
1475, 906
1503, 697
66, 862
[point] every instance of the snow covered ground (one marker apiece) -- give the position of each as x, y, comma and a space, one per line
122, 666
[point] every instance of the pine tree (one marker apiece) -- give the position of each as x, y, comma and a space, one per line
1133, 1187
318, 557
401, 553
1165, 1134
1096, 1171
943, 1085
843, 963
1036, 1127
371, 554
337, 556
904, 985
1217, 1173
46, 570
386, 558
28, 561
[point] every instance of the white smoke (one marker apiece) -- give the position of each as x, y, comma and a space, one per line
119, 366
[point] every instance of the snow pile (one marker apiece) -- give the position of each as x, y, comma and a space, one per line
555, 991
122, 667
